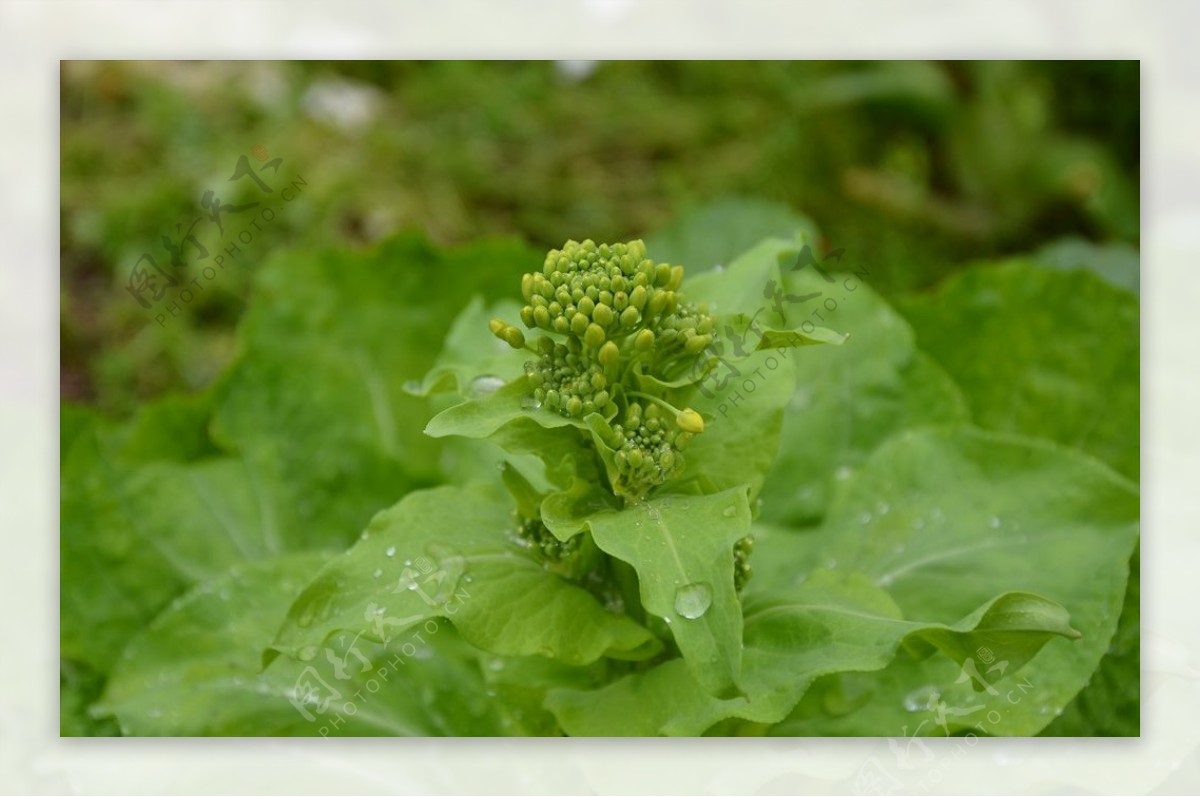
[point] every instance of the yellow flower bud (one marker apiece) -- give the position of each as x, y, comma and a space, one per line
690, 421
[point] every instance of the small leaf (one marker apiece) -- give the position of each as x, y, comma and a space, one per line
682, 550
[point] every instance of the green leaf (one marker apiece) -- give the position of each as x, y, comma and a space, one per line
482, 417
1116, 263
194, 671
135, 536
742, 406
942, 519
682, 550
1040, 352
472, 359
832, 623
719, 231
848, 400
316, 396
449, 552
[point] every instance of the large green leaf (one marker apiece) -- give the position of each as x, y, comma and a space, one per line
1040, 352
834, 622
943, 519
449, 552
135, 535
682, 550
194, 671
1110, 705
317, 394
851, 398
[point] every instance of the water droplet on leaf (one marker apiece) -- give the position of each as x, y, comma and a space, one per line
693, 600
919, 699
486, 384
307, 653
391, 551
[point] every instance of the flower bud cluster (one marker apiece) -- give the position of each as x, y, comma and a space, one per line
741, 562
612, 316
649, 448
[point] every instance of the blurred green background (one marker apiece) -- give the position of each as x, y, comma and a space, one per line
914, 168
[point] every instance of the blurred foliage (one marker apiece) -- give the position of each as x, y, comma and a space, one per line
912, 167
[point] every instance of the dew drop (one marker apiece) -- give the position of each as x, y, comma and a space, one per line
864, 518
918, 699
693, 600
390, 552
486, 384
729, 511
994, 522
366, 535
307, 615
412, 386
882, 508
307, 653
378, 572
530, 403
496, 665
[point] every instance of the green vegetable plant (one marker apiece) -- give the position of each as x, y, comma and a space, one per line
647, 501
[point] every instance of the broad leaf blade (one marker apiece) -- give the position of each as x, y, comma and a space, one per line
448, 552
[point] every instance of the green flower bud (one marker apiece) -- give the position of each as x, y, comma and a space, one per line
697, 344
574, 406
561, 325
690, 421
619, 283
598, 381
586, 306
644, 340
514, 337
552, 399
527, 317
579, 324
658, 302
676, 278
497, 327
630, 316
682, 439
527, 286
603, 315
635, 458
594, 336
667, 460
610, 354
662, 274
620, 301
545, 345
637, 298
601, 398
541, 318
